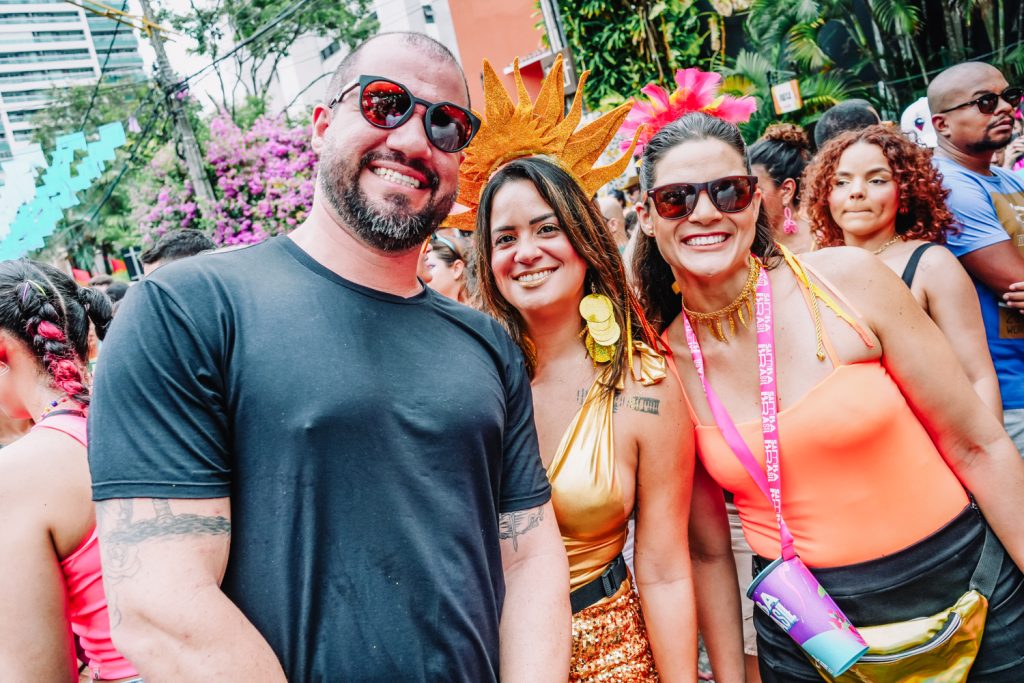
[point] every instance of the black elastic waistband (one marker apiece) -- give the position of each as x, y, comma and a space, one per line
604, 586
954, 538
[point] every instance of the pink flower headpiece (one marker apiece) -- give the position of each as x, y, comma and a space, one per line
698, 91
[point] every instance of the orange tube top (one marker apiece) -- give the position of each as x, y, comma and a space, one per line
861, 478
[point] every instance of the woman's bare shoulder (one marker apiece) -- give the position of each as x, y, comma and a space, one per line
41, 463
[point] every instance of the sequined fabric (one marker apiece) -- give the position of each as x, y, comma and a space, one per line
609, 642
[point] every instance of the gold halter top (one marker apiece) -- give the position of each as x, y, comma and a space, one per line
585, 489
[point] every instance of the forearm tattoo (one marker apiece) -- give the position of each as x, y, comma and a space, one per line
512, 525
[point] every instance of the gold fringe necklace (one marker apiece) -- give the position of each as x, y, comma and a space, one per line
715, 320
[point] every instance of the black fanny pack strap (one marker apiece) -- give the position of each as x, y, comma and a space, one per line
986, 574
600, 588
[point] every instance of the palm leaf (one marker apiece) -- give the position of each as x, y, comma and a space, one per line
803, 49
896, 16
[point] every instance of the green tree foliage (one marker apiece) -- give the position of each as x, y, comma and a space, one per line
221, 23
627, 44
884, 47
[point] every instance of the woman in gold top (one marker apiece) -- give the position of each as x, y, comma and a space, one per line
616, 439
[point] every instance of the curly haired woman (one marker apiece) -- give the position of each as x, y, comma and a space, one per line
874, 189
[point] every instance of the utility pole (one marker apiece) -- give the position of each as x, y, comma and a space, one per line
167, 79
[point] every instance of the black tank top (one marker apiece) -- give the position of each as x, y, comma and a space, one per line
915, 258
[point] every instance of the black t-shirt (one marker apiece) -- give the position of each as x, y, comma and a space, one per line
367, 442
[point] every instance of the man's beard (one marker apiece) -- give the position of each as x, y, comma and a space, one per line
392, 226
988, 145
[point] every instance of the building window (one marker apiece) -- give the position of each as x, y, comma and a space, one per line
329, 50
428, 14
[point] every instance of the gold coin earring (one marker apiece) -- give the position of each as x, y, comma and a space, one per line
602, 332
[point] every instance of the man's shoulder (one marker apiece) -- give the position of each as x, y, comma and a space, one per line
472, 320
957, 176
223, 269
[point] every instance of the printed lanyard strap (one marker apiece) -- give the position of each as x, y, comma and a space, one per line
770, 482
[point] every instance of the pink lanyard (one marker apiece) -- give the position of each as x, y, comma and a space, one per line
769, 484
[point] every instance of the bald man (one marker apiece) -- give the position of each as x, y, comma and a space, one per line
615, 219
972, 110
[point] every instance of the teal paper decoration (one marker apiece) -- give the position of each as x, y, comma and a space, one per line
41, 208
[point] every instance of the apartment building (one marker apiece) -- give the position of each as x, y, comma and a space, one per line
47, 44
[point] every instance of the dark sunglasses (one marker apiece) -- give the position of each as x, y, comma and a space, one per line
988, 102
387, 104
730, 194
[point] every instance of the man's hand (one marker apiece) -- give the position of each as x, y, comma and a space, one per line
1013, 153
1015, 297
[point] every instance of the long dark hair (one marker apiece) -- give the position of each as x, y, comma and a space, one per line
50, 313
585, 228
653, 277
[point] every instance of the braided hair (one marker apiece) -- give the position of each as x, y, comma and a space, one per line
50, 313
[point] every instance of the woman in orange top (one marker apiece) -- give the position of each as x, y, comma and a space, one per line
875, 189
880, 432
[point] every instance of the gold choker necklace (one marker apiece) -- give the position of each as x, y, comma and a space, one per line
888, 244
714, 320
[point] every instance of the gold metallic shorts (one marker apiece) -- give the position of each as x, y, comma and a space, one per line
609, 642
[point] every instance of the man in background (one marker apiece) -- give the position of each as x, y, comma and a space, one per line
972, 110
175, 245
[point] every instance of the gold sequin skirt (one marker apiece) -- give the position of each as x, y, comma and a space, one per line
609, 642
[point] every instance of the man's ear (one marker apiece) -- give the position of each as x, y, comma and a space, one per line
941, 125
321, 121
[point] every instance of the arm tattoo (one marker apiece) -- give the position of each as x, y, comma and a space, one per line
515, 524
643, 404
120, 533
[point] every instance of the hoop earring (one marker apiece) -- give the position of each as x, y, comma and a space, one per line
789, 225
4, 368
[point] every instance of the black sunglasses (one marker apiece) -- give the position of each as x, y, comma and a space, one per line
387, 104
988, 102
730, 194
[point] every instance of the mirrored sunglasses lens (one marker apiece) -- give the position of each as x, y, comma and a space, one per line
675, 201
384, 104
450, 127
731, 194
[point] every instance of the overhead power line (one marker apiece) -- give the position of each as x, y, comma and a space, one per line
271, 26
103, 70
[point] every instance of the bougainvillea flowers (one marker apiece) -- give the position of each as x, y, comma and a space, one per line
697, 91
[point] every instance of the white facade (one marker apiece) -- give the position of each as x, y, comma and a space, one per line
46, 44
303, 74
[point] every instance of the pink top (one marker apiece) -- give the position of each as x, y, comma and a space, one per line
87, 605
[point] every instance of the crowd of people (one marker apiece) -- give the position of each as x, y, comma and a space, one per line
483, 416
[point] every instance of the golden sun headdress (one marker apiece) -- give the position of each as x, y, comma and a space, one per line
542, 128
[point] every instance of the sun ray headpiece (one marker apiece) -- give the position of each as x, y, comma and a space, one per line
697, 91
542, 128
